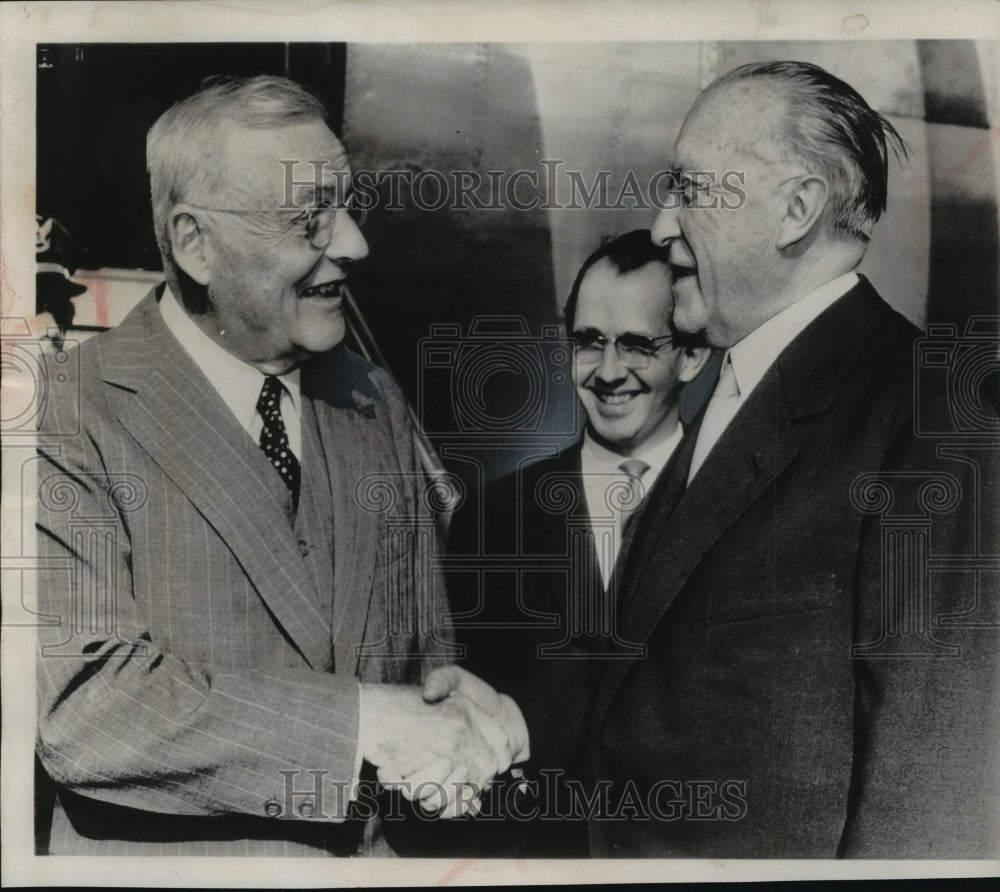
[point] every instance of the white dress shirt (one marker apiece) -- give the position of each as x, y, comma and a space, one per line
750, 358
237, 382
601, 470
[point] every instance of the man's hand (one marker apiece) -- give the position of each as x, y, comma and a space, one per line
442, 754
448, 681
435, 785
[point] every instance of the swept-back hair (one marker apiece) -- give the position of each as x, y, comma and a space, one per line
184, 151
627, 253
830, 127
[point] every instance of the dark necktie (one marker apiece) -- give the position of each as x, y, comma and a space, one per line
274, 437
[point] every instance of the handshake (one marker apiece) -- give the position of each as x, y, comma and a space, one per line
441, 747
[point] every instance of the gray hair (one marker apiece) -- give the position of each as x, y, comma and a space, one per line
830, 127
184, 147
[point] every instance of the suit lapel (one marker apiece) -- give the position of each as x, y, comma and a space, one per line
346, 442
679, 527
661, 500
578, 546
179, 419
753, 450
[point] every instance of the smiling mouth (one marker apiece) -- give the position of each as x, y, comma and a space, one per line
327, 289
616, 399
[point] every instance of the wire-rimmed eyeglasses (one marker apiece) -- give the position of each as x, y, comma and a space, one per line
317, 222
635, 351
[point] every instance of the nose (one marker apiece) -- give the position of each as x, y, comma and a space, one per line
611, 368
667, 226
347, 242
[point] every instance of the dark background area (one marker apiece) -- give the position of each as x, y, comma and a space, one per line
97, 101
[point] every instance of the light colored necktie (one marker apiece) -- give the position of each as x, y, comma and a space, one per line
718, 413
633, 468
628, 510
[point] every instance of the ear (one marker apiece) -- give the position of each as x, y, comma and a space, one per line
804, 205
693, 360
189, 245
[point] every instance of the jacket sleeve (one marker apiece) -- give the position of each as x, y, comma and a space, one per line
124, 720
926, 776
416, 586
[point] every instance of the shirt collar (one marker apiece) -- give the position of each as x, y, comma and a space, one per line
596, 457
237, 382
752, 356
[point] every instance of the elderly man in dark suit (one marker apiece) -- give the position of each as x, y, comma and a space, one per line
812, 584
239, 620
558, 527
806, 659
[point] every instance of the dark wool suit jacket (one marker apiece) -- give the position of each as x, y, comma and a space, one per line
535, 619
530, 609
200, 643
820, 675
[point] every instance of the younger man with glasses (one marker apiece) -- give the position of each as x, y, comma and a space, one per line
541, 629
628, 367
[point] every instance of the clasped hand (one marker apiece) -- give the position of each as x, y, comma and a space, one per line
441, 747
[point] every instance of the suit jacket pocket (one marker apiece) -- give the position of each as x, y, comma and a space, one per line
758, 597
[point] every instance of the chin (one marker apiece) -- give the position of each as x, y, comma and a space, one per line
686, 322
690, 315
322, 338
615, 438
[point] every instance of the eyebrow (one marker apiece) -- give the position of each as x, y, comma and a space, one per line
330, 188
677, 175
631, 334
684, 174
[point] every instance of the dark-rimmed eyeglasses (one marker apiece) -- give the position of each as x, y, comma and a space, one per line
316, 223
635, 351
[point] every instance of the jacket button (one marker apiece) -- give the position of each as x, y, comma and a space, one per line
271, 808
303, 547
306, 810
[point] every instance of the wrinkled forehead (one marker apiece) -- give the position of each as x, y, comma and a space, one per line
298, 164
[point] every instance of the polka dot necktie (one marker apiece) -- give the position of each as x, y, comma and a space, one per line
274, 437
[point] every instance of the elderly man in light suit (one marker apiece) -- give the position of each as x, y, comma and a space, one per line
236, 635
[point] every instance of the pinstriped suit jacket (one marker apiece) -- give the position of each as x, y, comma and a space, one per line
200, 644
